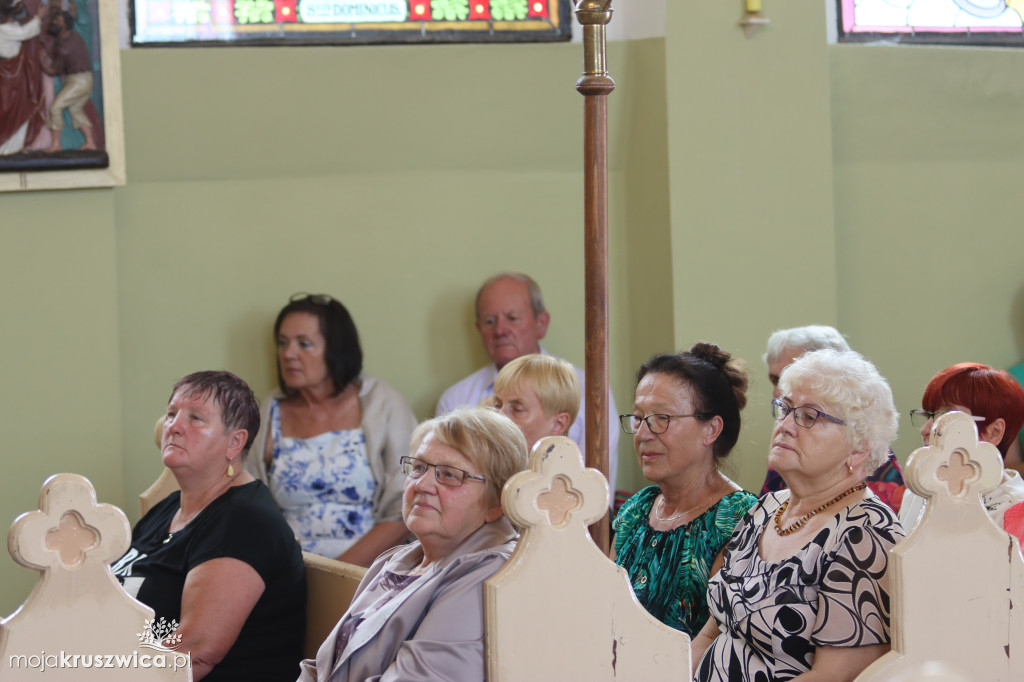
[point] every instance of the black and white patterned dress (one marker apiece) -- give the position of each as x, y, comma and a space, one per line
773, 614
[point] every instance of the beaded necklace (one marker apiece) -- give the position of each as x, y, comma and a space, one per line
802, 521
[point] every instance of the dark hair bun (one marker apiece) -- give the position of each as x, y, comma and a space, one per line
734, 369
712, 353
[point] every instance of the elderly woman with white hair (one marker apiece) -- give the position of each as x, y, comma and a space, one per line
804, 590
785, 346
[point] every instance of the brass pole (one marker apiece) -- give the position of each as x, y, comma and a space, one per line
595, 85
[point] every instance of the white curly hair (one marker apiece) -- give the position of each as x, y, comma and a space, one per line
850, 387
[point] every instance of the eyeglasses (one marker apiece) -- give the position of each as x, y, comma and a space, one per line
657, 423
443, 474
920, 417
318, 299
804, 416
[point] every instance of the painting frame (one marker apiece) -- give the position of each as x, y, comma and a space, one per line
45, 170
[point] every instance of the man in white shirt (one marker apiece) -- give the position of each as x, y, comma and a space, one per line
511, 319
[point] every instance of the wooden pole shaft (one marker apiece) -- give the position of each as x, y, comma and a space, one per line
595, 85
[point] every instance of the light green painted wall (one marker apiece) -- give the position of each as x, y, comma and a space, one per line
751, 196
646, 287
61, 404
399, 206
398, 177
929, 219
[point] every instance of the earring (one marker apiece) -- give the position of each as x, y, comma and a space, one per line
231, 469
849, 468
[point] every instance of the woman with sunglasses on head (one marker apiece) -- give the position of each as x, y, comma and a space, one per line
803, 592
418, 614
669, 536
331, 438
996, 402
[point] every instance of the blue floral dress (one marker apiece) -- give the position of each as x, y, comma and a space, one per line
323, 485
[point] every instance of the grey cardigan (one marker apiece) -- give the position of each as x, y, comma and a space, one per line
432, 630
388, 423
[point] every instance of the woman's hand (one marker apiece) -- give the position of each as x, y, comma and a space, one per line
700, 643
217, 599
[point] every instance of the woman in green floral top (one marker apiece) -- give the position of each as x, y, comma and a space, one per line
669, 537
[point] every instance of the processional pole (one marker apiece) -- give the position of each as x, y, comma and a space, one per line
595, 85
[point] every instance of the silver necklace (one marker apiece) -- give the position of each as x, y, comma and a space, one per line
661, 503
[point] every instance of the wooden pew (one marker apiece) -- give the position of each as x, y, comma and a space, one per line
330, 585
77, 610
560, 609
957, 580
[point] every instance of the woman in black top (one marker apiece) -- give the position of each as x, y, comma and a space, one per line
218, 558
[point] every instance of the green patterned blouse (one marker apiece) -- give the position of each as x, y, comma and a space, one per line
669, 570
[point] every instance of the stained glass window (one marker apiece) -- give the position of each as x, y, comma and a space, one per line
974, 22
168, 22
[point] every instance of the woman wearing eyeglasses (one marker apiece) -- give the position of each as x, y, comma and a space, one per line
996, 402
669, 536
804, 586
417, 615
331, 438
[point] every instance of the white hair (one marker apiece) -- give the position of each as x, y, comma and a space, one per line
810, 338
850, 387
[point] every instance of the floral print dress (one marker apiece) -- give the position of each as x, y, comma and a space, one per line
323, 485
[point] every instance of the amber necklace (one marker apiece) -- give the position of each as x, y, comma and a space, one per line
802, 521
661, 503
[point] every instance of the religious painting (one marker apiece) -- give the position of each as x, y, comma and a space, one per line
60, 95
952, 22
310, 22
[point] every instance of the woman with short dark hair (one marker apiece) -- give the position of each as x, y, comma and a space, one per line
217, 558
332, 438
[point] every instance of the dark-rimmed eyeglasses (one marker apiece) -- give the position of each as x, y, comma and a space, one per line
920, 417
804, 415
318, 299
443, 474
657, 423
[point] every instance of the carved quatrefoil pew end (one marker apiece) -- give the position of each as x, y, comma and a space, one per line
560, 609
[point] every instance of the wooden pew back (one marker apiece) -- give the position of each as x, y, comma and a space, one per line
957, 580
78, 623
560, 609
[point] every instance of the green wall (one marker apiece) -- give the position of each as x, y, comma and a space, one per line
753, 240
930, 224
61, 404
756, 183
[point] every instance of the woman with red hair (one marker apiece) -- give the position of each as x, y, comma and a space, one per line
996, 401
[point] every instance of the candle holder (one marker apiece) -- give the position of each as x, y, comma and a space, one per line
752, 17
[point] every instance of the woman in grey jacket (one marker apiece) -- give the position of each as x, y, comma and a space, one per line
418, 613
